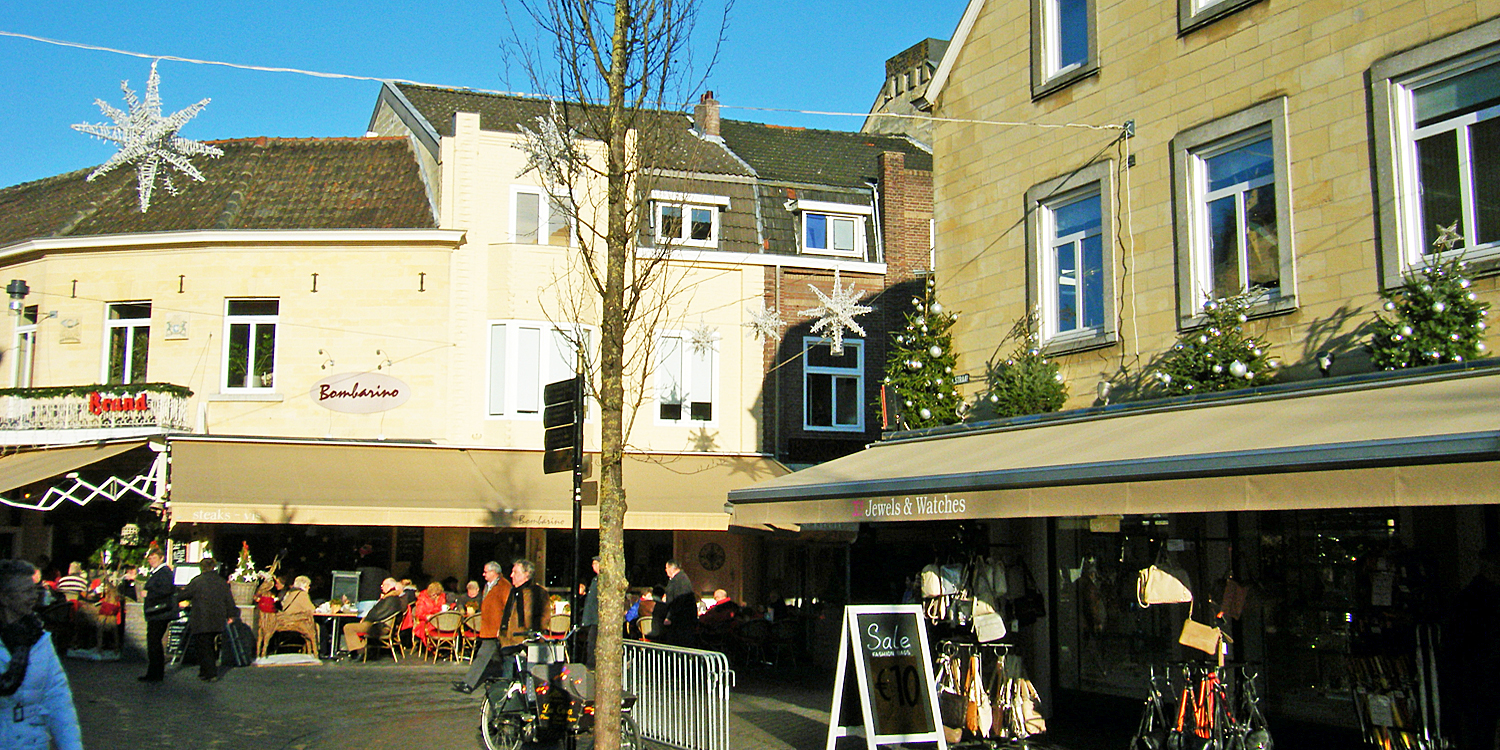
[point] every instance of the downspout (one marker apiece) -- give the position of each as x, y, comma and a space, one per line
875, 194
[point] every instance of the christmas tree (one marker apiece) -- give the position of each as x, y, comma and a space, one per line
919, 368
1219, 356
1025, 382
1434, 316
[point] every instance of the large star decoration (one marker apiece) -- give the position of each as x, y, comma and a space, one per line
837, 313
764, 324
148, 140
1448, 238
703, 339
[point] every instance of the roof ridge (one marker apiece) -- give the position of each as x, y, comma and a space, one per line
265, 140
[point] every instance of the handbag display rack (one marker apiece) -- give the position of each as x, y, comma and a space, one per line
984, 697
1207, 715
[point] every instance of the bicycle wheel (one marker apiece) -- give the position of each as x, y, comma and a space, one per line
501, 730
630, 734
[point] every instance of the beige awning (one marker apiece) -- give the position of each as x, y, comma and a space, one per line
241, 480
1378, 441
26, 467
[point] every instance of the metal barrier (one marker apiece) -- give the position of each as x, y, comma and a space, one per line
682, 694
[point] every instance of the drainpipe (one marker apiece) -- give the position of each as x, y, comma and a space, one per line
875, 203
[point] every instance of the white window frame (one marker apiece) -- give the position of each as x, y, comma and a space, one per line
857, 372
515, 392
130, 325
254, 321
25, 347
691, 363
687, 202
1394, 82
850, 212
1048, 73
1190, 200
545, 209
1192, 14
1096, 179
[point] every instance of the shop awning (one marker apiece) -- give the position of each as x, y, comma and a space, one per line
26, 467
1365, 442
247, 480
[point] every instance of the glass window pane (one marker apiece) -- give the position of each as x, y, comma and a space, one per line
1244, 164
560, 364
817, 231
1437, 180
1072, 33
702, 411
701, 390
238, 307
497, 369
559, 221
671, 222
703, 224
528, 217
117, 342
129, 310
264, 373
1066, 288
1485, 137
1092, 292
1082, 215
847, 400
820, 400
1264, 261
843, 235
237, 368
1459, 95
1223, 249
669, 382
528, 370
821, 355
140, 342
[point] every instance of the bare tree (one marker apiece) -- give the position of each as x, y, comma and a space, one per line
619, 70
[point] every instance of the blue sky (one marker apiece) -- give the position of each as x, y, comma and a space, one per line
777, 54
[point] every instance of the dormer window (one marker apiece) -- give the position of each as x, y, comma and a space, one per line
686, 219
832, 228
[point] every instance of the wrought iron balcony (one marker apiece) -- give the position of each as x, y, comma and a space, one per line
34, 416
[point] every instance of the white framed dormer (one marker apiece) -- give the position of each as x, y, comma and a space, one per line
524, 356
539, 218
249, 358
825, 228
686, 379
686, 219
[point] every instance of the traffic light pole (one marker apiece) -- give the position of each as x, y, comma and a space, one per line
576, 602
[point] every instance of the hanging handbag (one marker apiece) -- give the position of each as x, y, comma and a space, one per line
950, 701
1029, 606
1027, 698
1202, 637
988, 624
932, 583
1232, 603
1157, 586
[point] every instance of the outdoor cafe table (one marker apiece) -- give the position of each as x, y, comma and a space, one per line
335, 627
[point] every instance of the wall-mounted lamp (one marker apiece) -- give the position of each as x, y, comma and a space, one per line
1102, 390
1325, 362
385, 360
327, 360
17, 290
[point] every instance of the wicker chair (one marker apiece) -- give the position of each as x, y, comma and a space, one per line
445, 632
470, 642
390, 635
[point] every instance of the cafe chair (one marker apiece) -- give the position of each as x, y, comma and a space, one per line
647, 626
470, 642
389, 630
445, 632
560, 624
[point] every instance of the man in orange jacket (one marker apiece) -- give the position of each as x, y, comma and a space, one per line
491, 608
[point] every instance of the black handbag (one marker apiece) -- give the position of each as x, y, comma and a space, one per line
1029, 606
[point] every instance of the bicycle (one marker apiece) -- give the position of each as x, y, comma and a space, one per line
548, 700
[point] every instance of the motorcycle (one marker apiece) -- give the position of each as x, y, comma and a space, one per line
548, 700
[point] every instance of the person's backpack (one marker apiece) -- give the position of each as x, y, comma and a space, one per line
239, 645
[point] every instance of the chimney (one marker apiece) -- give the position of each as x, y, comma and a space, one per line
706, 114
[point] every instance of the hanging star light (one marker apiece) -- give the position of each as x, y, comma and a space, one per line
148, 140
837, 312
703, 338
764, 324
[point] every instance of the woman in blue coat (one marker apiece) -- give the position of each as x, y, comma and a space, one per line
36, 704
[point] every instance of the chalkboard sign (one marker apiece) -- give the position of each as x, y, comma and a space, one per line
345, 585
409, 542
892, 674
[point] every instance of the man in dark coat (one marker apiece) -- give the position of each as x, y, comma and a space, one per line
159, 607
213, 607
390, 602
679, 623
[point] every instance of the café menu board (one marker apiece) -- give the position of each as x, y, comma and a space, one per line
892, 675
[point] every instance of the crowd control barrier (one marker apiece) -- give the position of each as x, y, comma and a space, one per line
682, 694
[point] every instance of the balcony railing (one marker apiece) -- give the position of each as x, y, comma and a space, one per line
120, 408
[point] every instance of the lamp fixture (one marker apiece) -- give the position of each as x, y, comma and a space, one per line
327, 360
385, 360
1325, 362
17, 290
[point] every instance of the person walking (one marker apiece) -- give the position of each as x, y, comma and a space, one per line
159, 609
213, 607
588, 619
679, 622
526, 610
491, 606
34, 692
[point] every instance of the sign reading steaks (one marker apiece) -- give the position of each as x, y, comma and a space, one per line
359, 392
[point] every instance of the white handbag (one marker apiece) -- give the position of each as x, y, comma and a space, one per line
1157, 586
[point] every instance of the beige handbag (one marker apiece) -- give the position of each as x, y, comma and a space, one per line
1157, 586
1202, 637
988, 624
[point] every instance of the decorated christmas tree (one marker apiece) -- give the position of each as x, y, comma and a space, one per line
919, 368
1025, 382
1433, 318
1219, 356
244, 570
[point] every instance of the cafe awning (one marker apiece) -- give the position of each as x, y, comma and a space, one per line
267, 480
27, 467
1430, 439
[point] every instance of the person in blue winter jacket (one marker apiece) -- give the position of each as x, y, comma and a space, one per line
36, 704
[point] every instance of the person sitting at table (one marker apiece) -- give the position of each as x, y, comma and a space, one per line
469, 600
390, 603
429, 602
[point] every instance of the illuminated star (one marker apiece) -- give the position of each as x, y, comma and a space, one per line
703, 338
764, 324
148, 140
1448, 237
837, 313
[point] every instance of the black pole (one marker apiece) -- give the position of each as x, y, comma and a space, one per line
575, 602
